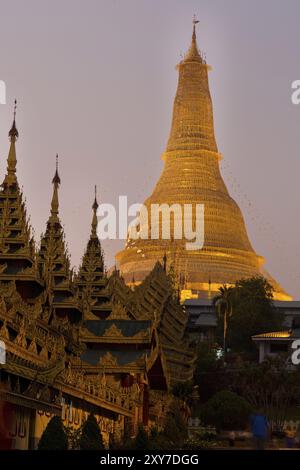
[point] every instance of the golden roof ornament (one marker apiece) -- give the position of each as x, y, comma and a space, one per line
193, 52
56, 183
13, 134
95, 220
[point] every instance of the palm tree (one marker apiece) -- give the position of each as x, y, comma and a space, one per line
223, 304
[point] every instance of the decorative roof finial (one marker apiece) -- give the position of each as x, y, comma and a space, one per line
13, 133
195, 21
95, 220
95, 205
56, 178
193, 52
56, 183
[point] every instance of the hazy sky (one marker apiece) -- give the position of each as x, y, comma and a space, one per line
95, 82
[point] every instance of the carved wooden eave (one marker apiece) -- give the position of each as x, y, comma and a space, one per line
74, 381
114, 335
29, 402
56, 377
27, 367
110, 365
112, 404
67, 304
155, 355
133, 367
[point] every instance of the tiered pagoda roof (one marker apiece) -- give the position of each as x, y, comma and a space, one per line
37, 316
17, 248
91, 279
54, 263
156, 297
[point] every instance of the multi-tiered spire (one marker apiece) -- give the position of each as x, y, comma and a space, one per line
193, 53
13, 134
191, 175
91, 279
17, 249
54, 262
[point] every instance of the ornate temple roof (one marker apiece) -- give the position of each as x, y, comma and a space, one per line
17, 247
125, 328
54, 262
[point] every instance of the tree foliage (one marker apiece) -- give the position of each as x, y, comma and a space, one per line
270, 386
251, 312
175, 427
54, 437
141, 439
183, 390
91, 437
226, 411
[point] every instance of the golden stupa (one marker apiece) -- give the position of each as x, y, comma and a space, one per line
191, 175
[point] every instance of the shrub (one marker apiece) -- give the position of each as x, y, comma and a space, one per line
141, 439
91, 437
54, 437
226, 411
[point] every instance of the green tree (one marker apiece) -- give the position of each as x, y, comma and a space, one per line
269, 386
183, 390
91, 437
251, 311
209, 374
54, 437
141, 439
226, 411
175, 427
223, 304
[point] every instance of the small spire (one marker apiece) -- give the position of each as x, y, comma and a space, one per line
195, 21
95, 205
95, 220
193, 52
56, 183
13, 133
56, 178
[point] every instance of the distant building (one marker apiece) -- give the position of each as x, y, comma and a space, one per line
202, 318
275, 343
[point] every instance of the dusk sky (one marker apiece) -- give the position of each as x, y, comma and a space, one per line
95, 82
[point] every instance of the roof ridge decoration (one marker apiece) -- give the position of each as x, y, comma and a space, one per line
108, 360
113, 331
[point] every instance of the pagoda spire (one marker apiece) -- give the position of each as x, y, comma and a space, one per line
54, 202
13, 134
192, 175
193, 52
91, 278
17, 248
95, 220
